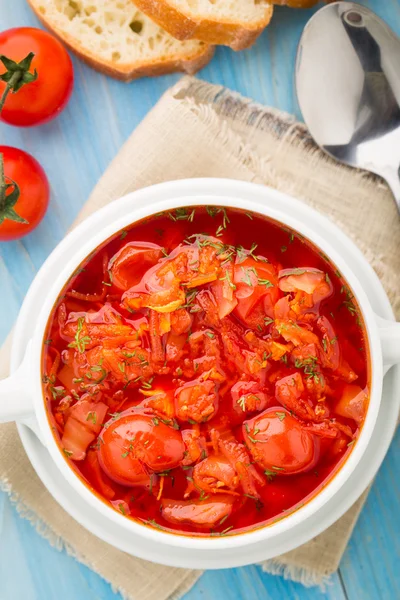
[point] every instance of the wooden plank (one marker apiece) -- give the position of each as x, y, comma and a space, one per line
370, 569
45, 574
31, 569
251, 583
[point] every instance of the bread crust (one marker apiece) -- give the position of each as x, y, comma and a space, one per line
127, 72
236, 35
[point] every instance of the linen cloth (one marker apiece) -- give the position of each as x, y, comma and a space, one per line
202, 130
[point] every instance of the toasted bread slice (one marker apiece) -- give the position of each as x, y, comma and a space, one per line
234, 23
114, 37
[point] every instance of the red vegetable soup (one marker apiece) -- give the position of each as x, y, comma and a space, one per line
206, 371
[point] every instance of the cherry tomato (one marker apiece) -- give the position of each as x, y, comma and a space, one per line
42, 99
278, 442
31, 206
135, 444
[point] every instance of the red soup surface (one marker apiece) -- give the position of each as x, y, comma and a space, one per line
206, 371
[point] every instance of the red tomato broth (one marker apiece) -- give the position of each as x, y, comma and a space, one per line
276, 494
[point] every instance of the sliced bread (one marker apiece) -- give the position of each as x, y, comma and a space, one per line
114, 37
234, 23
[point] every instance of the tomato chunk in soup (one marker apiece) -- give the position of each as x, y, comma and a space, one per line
205, 371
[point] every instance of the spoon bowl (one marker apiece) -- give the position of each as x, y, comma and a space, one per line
348, 88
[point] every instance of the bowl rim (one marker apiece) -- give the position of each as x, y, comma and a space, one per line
263, 198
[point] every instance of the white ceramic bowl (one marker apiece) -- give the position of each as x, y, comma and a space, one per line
24, 386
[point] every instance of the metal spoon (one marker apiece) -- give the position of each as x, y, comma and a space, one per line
348, 88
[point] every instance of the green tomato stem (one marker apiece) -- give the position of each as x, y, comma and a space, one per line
13, 81
8, 201
16, 75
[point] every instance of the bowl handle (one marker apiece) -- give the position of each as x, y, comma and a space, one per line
389, 333
16, 399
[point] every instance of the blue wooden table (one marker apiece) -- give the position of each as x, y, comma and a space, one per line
74, 150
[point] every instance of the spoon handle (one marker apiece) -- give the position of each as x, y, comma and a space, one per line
392, 177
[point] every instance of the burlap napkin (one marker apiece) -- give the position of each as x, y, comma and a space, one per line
199, 130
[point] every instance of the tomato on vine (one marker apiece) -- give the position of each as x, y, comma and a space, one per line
35, 57
24, 193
